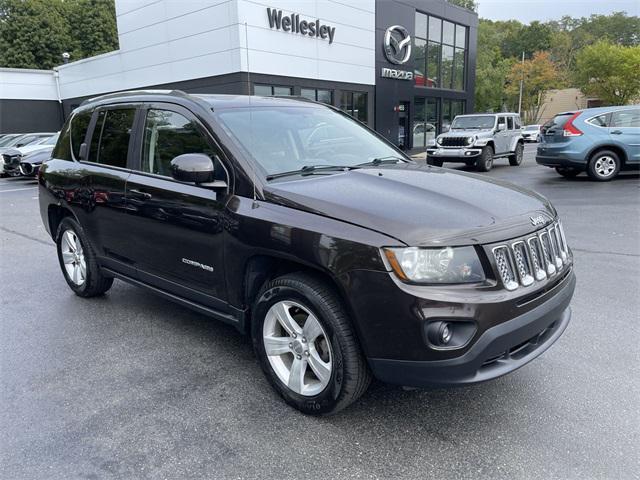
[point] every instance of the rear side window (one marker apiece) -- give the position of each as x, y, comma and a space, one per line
79, 125
626, 118
518, 122
62, 150
110, 139
510, 123
600, 120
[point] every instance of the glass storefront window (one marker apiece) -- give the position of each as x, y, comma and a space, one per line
447, 66
458, 69
355, 104
448, 32
421, 25
271, 90
450, 109
435, 29
461, 36
425, 121
318, 95
419, 66
433, 65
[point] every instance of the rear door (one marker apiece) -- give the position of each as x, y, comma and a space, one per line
624, 130
175, 230
105, 166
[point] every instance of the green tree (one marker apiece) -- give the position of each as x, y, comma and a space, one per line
468, 4
609, 72
35, 33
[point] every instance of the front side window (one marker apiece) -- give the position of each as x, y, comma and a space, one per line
110, 139
168, 134
282, 139
626, 118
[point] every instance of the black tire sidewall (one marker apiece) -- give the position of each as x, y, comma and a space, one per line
516, 160
69, 224
592, 163
326, 400
485, 162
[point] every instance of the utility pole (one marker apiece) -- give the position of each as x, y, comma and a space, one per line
521, 86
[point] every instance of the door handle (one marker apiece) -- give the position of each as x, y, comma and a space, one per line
616, 132
142, 195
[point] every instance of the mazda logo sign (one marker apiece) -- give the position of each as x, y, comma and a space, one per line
397, 44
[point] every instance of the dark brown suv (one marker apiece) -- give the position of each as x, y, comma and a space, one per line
341, 257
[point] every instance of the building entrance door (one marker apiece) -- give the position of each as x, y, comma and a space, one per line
404, 138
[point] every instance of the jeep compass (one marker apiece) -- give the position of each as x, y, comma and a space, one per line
341, 258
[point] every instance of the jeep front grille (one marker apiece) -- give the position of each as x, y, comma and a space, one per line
532, 259
454, 141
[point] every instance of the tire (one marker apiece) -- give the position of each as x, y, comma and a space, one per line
603, 166
435, 162
568, 172
82, 275
516, 159
300, 298
485, 161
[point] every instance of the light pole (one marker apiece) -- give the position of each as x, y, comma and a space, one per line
521, 86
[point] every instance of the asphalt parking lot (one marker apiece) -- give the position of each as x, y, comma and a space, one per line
132, 386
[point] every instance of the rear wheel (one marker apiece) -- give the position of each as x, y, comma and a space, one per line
485, 161
435, 162
78, 261
603, 166
568, 172
516, 158
306, 345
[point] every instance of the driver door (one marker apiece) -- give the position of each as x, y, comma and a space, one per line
175, 230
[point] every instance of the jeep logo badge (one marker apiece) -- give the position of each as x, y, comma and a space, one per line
397, 44
537, 220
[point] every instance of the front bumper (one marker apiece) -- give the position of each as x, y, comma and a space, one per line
449, 154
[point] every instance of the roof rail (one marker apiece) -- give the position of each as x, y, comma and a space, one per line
130, 93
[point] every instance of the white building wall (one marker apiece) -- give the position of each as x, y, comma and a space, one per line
165, 41
22, 83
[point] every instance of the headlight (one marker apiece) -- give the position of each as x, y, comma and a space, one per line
470, 140
435, 265
439, 141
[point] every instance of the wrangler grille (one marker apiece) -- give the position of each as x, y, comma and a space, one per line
454, 141
533, 258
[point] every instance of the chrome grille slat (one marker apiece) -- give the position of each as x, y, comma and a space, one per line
533, 258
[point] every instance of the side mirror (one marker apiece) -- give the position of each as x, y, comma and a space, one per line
192, 168
502, 127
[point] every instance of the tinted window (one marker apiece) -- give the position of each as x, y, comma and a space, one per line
110, 142
626, 118
600, 120
166, 135
557, 122
62, 150
79, 125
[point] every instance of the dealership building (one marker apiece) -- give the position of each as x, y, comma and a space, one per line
404, 67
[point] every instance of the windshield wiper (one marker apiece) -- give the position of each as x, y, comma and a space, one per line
310, 169
381, 161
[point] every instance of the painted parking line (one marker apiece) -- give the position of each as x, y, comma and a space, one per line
17, 189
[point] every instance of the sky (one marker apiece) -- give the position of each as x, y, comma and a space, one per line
528, 10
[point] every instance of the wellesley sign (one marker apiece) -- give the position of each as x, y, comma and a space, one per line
292, 23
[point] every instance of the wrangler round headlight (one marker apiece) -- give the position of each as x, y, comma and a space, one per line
470, 140
439, 141
435, 265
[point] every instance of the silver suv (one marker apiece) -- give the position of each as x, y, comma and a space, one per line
479, 139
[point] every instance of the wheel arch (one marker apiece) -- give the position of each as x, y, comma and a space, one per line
614, 148
55, 215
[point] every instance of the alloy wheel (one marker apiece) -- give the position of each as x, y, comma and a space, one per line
73, 257
605, 166
297, 347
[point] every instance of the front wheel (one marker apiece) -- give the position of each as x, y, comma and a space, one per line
306, 345
78, 261
516, 159
485, 161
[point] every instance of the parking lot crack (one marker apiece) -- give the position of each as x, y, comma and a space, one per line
24, 235
586, 250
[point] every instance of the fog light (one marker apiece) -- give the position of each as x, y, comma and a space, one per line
444, 333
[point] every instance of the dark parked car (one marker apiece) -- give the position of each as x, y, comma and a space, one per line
31, 162
601, 141
288, 219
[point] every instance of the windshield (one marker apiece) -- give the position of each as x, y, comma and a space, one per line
6, 140
284, 139
474, 122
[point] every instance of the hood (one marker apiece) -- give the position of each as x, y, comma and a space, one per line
466, 133
418, 205
26, 149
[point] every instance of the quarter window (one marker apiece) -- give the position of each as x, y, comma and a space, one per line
600, 120
79, 125
110, 139
168, 134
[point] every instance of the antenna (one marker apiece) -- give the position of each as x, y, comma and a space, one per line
253, 180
